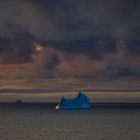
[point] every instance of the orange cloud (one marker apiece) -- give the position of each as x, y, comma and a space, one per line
80, 64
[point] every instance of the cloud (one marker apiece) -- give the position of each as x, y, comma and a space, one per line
45, 62
17, 46
73, 20
81, 38
94, 48
57, 61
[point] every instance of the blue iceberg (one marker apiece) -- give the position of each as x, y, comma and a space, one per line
79, 102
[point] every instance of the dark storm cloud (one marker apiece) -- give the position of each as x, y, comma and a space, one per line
74, 20
17, 47
133, 46
94, 48
80, 19
87, 30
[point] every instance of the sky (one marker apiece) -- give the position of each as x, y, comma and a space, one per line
69, 38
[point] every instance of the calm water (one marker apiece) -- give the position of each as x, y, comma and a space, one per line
43, 123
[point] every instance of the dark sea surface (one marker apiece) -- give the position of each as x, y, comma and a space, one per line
40, 121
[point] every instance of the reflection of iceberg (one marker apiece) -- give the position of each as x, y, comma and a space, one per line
79, 102
19, 100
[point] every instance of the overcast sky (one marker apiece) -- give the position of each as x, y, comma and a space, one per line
70, 38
